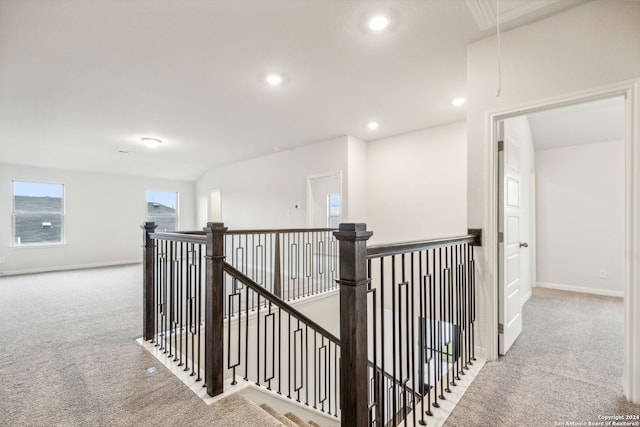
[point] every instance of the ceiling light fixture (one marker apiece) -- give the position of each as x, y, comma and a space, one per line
151, 142
378, 23
459, 101
274, 79
373, 125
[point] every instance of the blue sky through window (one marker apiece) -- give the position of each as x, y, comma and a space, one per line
37, 189
165, 198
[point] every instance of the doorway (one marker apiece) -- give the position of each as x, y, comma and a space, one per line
579, 151
214, 206
630, 91
324, 198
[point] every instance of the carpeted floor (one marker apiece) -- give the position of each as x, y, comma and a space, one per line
566, 367
68, 357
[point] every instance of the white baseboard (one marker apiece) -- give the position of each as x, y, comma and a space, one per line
67, 267
581, 289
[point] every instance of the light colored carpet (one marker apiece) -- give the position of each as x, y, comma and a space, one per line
68, 357
565, 367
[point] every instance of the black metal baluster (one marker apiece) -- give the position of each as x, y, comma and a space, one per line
449, 316
473, 303
306, 364
421, 339
289, 350
246, 333
279, 350
198, 319
382, 398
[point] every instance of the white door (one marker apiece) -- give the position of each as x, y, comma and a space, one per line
509, 307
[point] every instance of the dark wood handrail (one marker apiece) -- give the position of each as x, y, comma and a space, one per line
249, 231
180, 237
377, 251
237, 274
282, 230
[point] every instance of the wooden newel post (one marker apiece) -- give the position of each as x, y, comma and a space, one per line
353, 282
214, 309
148, 326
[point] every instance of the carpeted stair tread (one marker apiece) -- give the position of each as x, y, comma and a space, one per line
278, 416
297, 420
314, 424
240, 410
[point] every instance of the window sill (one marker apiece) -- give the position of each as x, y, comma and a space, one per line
37, 245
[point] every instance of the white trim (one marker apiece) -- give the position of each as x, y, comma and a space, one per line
488, 285
581, 289
486, 17
631, 369
68, 267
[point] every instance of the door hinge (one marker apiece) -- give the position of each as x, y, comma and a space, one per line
500, 237
500, 328
500, 146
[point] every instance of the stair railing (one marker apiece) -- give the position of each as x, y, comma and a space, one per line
197, 282
421, 299
407, 314
278, 347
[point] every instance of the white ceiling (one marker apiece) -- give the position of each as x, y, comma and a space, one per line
587, 123
82, 79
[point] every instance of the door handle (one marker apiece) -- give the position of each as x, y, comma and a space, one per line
524, 245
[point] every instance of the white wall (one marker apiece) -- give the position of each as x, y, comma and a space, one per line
416, 186
589, 46
263, 192
102, 222
356, 181
580, 211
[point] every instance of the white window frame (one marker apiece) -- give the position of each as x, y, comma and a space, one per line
15, 214
176, 215
339, 215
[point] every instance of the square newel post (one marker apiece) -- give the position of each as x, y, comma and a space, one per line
354, 378
214, 309
148, 248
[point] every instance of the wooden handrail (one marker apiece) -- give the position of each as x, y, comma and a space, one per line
377, 251
282, 230
237, 274
180, 237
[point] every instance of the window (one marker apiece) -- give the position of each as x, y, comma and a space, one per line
162, 208
38, 213
333, 210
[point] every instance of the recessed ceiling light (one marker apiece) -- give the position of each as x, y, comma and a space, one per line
273, 79
373, 125
151, 142
459, 101
378, 23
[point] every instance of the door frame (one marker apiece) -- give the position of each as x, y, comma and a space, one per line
310, 179
631, 91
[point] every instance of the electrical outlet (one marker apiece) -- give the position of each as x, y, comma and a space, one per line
603, 274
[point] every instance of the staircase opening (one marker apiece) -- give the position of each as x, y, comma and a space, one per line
225, 307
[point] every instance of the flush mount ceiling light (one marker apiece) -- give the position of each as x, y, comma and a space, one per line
373, 125
378, 23
151, 142
459, 101
274, 79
